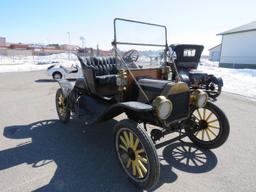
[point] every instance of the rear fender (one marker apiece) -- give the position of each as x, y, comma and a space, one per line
66, 86
217, 80
58, 70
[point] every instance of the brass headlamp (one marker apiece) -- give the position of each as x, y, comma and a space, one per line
198, 98
163, 107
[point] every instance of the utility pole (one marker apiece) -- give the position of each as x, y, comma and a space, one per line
69, 48
83, 43
98, 50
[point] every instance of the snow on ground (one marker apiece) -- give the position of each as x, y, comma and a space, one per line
35, 63
238, 81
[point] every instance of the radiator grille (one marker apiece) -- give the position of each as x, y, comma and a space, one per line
180, 103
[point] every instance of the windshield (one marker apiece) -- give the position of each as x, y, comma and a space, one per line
141, 58
139, 44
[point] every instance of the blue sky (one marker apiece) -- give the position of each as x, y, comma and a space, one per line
48, 21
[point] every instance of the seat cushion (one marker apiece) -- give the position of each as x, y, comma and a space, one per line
106, 79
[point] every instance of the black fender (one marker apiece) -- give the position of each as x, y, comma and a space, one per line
217, 80
66, 86
141, 111
96, 110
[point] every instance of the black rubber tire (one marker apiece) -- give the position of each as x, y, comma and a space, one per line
215, 94
66, 117
154, 165
55, 74
223, 133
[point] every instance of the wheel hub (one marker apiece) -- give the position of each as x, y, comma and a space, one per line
203, 124
61, 101
131, 154
212, 87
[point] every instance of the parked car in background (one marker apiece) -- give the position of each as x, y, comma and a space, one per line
186, 58
62, 72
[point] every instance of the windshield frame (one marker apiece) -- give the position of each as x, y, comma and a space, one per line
115, 43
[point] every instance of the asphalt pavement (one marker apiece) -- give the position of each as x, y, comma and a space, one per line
38, 153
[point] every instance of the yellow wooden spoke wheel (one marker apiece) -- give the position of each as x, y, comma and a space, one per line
208, 122
61, 107
136, 153
212, 126
132, 154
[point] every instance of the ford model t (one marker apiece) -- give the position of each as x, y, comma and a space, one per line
187, 58
148, 97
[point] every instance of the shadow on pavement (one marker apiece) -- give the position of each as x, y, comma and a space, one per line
51, 80
186, 157
85, 156
45, 81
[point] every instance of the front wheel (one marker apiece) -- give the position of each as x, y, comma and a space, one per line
137, 154
209, 126
213, 89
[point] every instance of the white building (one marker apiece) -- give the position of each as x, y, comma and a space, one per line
238, 48
2, 41
214, 53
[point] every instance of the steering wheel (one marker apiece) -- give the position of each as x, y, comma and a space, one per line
131, 56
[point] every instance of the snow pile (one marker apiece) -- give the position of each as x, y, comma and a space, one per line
54, 58
34, 63
57, 58
238, 81
208, 63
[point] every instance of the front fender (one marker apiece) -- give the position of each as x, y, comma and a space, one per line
139, 110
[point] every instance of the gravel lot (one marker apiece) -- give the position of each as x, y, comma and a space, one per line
38, 153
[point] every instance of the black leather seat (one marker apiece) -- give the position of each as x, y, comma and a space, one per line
101, 74
107, 71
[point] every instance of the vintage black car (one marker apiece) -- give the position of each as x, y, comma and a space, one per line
147, 97
187, 58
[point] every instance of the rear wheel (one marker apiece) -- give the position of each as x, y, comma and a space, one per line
56, 75
212, 124
137, 154
61, 107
